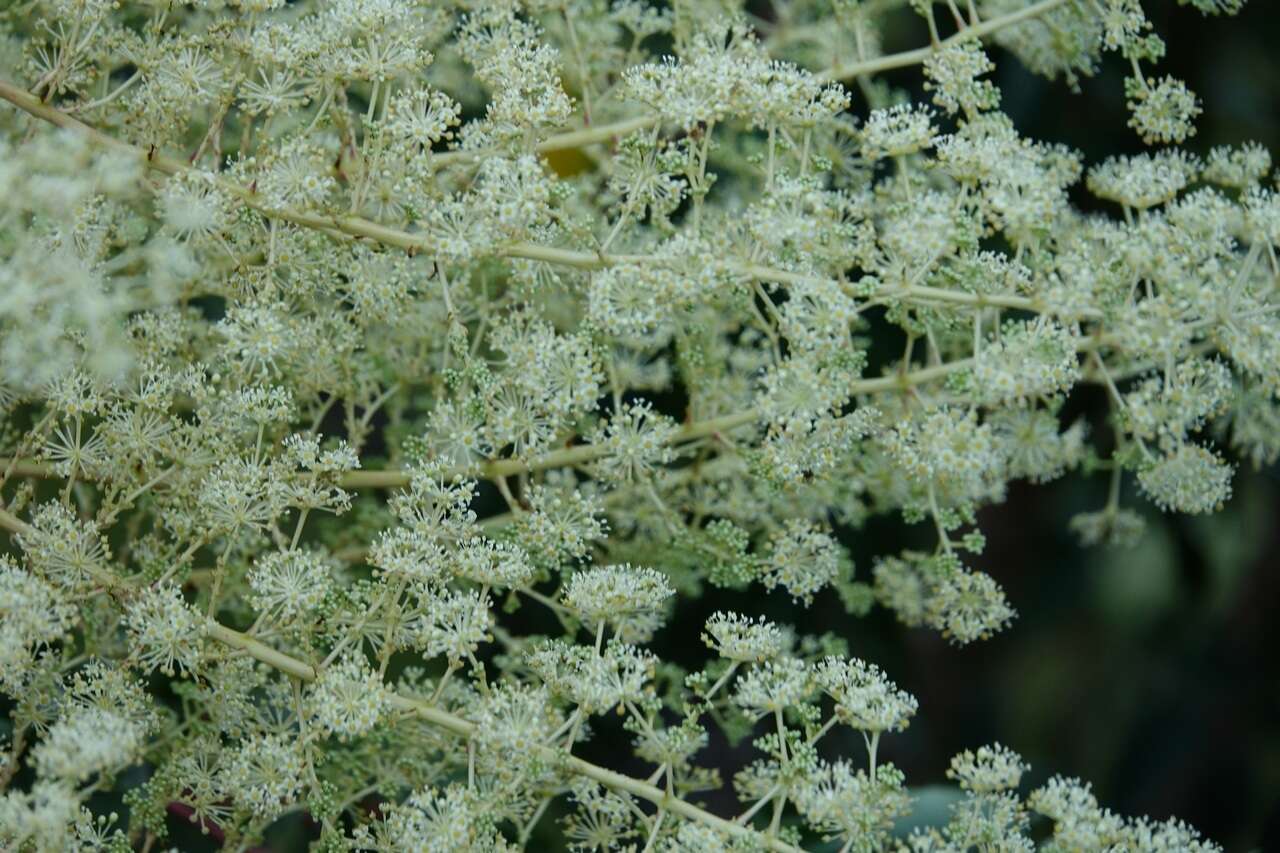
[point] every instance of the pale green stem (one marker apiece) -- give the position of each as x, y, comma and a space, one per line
873, 745
722, 680
746, 816
653, 833
527, 830
826, 727
915, 57
943, 539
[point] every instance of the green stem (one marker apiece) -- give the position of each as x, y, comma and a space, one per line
463, 728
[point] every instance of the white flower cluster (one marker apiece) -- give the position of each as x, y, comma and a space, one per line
95, 726
617, 595
899, 130
66, 550
774, 686
967, 606
168, 632
1145, 180
740, 638
1163, 111
289, 584
953, 77
386, 382
31, 616
937, 591
865, 699
992, 768
1191, 479
265, 772
452, 624
594, 682
1036, 359
723, 73
847, 802
430, 819
562, 524
949, 449
348, 698
64, 206
1079, 821
802, 559
88, 741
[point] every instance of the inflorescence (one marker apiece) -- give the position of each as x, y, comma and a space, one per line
616, 266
